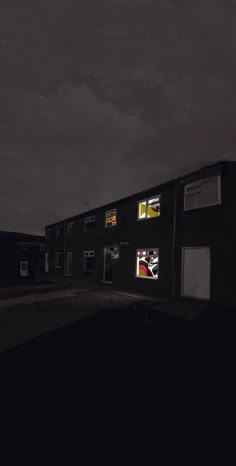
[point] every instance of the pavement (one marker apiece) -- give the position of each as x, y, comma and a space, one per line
27, 317
28, 312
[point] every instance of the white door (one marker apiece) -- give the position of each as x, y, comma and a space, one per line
69, 264
196, 272
24, 268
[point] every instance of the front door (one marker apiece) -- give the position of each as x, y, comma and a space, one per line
196, 272
69, 264
24, 272
110, 255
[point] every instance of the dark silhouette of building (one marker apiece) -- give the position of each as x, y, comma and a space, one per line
177, 239
22, 256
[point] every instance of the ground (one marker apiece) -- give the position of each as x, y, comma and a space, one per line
98, 327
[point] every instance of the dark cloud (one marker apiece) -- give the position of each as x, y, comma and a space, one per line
102, 98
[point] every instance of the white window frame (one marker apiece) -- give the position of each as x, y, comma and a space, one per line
146, 200
56, 255
70, 227
199, 183
86, 254
69, 253
107, 212
87, 220
136, 257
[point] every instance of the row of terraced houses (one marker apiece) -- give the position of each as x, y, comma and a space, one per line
177, 239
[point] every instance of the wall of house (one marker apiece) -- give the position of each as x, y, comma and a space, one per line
139, 234
212, 226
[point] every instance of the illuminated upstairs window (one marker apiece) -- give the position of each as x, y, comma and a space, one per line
149, 208
111, 218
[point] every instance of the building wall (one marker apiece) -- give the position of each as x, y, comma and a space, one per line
11, 255
212, 226
149, 233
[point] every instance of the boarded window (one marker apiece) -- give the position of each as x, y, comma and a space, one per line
203, 193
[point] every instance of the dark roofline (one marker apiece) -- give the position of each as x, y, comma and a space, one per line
139, 194
21, 235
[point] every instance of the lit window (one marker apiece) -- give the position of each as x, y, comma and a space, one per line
111, 218
149, 208
147, 263
89, 261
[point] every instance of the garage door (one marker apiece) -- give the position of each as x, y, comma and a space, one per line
196, 272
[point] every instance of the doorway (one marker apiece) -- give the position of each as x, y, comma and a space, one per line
69, 264
111, 254
195, 281
24, 272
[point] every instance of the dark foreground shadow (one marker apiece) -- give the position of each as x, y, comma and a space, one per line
121, 343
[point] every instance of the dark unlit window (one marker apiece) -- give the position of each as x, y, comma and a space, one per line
59, 232
90, 223
111, 218
48, 235
24, 246
59, 260
70, 228
203, 193
147, 263
89, 261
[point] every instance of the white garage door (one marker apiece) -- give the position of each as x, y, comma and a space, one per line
196, 272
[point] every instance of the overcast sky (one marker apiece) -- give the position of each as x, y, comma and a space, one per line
100, 99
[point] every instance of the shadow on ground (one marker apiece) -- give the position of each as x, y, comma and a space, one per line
121, 343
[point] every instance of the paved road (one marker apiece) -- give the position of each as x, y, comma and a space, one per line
26, 317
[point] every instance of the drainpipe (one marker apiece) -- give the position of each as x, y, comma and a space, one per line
65, 258
173, 279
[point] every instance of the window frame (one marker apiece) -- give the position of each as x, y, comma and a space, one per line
22, 274
89, 219
136, 257
199, 183
56, 255
88, 253
24, 246
70, 228
146, 200
59, 236
48, 233
107, 212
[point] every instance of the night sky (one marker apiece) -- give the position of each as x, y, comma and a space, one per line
100, 99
